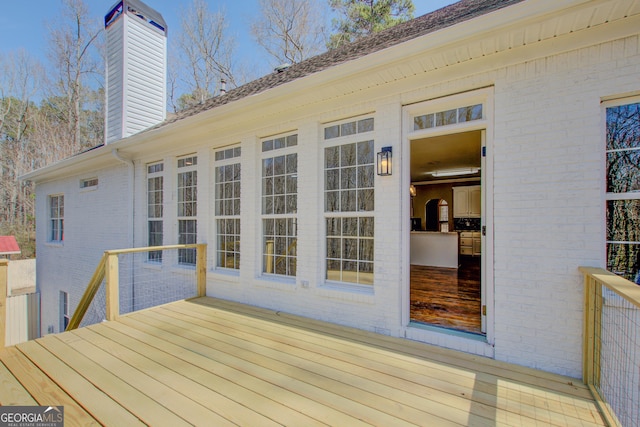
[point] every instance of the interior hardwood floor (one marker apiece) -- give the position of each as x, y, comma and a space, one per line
447, 297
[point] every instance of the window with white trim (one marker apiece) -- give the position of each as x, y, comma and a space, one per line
64, 311
623, 188
187, 208
89, 183
227, 207
349, 175
280, 205
155, 200
56, 218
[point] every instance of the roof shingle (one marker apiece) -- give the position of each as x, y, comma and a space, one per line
431, 22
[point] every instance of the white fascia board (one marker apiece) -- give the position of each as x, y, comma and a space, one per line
91, 160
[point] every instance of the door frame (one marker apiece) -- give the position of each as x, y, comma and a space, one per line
481, 96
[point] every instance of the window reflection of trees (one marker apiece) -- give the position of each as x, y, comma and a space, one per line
623, 186
349, 187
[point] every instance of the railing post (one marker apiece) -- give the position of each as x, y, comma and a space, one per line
201, 269
269, 260
4, 273
113, 287
589, 330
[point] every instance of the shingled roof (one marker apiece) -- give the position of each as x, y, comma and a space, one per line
442, 18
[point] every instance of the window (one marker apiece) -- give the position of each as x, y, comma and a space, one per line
623, 189
155, 199
280, 205
187, 208
227, 207
64, 310
349, 173
89, 183
448, 117
56, 218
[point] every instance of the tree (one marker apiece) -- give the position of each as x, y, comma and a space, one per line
290, 30
205, 51
360, 18
74, 61
19, 82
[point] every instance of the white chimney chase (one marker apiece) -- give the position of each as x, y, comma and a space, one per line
136, 78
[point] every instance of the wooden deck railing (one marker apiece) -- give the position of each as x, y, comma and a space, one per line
108, 269
611, 350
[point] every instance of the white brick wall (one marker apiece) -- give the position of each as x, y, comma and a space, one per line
548, 197
547, 192
94, 220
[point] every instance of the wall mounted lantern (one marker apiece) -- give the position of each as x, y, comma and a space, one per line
384, 161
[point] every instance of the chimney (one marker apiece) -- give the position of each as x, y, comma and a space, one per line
223, 86
136, 77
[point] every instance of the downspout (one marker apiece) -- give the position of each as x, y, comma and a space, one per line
132, 201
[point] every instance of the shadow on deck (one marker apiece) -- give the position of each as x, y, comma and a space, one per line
212, 362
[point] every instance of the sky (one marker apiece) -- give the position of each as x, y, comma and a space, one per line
25, 23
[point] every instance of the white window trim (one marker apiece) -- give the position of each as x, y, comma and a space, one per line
612, 102
276, 152
179, 170
50, 241
328, 285
230, 272
149, 219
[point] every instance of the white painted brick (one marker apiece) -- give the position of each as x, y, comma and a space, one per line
548, 183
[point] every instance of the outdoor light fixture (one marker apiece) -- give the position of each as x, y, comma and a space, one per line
384, 161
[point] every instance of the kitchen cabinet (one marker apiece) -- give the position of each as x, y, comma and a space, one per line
470, 243
467, 201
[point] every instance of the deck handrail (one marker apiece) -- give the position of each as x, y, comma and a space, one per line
108, 268
595, 279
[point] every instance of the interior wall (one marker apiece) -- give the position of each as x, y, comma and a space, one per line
435, 191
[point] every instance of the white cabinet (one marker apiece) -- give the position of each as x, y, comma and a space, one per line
467, 201
470, 243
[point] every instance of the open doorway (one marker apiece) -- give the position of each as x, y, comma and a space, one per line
446, 252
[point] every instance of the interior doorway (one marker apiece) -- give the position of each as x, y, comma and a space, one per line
446, 288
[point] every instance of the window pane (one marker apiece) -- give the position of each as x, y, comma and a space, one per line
423, 122
348, 155
292, 163
623, 127
332, 132
467, 114
348, 129
334, 248
623, 220
623, 171
365, 125
366, 176
332, 179
365, 153
623, 259
334, 226
348, 201
332, 157
278, 165
350, 249
348, 178
448, 117
365, 200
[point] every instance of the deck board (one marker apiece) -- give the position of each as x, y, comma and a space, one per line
212, 362
442, 383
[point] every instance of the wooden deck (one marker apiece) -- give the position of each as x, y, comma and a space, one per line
209, 362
